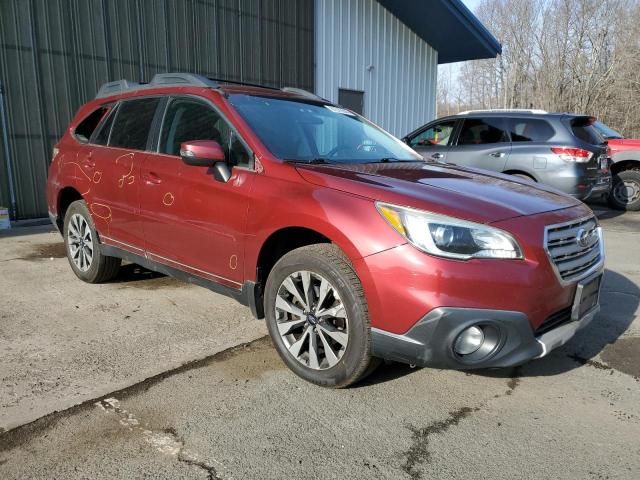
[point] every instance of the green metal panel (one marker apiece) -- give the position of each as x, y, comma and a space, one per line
55, 54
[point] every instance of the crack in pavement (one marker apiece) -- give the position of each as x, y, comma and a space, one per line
18, 435
166, 442
419, 454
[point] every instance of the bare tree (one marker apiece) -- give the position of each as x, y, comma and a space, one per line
559, 55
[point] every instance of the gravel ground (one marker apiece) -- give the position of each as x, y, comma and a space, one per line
240, 413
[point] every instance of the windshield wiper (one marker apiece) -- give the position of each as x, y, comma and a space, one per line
313, 161
392, 159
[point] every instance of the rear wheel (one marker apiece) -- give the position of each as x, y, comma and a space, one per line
83, 250
317, 316
625, 194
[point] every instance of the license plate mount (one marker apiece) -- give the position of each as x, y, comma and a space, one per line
587, 296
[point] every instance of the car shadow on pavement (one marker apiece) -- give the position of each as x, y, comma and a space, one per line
131, 272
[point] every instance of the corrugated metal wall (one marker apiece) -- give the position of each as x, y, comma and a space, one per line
362, 46
54, 54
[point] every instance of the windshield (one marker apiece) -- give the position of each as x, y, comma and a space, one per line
605, 131
316, 133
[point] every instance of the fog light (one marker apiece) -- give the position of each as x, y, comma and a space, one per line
469, 341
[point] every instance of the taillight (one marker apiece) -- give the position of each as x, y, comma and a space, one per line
570, 154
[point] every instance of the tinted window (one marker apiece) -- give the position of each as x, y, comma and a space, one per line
86, 127
480, 131
529, 130
587, 133
188, 120
439, 134
133, 122
301, 130
607, 132
102, 135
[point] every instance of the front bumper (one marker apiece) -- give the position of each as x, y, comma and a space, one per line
430, 342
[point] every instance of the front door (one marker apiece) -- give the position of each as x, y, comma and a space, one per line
433, 142
192, 221
481, 143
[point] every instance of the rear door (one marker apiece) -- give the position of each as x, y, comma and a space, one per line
116, 177
481, 143
530, 148
434, 140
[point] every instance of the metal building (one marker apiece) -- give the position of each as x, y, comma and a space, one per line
377, 57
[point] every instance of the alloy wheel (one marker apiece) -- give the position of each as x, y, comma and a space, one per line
80, 242
312, 320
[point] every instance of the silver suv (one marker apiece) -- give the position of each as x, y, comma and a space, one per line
562, 150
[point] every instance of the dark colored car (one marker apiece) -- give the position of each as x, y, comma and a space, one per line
562, 150
349, 243
625, 168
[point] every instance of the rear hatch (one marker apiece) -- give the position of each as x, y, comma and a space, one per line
589, 138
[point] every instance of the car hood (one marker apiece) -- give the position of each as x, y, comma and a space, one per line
465, 193
624, 143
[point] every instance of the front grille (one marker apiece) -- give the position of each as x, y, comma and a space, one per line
554, 321
574, 248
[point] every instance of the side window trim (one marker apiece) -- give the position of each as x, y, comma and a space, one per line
153, 140
215, 108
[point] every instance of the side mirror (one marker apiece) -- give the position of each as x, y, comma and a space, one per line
206, 153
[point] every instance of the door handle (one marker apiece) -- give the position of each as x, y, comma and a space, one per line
151, 179
437, 156
497, 154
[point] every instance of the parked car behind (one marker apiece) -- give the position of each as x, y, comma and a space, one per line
625, 168
562, 150
349, 243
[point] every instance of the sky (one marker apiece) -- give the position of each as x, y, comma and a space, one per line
453, 69
471, 4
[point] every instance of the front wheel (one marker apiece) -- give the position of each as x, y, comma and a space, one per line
83, 249
317, 316
625, 194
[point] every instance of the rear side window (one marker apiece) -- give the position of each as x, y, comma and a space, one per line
529, 130
480, 131
101, 137
587, 133
86, 127
133, 123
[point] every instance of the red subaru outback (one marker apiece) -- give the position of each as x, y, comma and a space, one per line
351, 245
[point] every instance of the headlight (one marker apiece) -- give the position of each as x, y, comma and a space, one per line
449, 237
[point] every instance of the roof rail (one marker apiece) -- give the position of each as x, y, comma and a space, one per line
239, 82
158, 80
303, 93
111, 88
515, 110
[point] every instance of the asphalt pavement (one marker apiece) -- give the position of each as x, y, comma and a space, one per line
148, 378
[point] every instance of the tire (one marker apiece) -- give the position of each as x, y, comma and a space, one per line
625, 193
85, 258
341, 336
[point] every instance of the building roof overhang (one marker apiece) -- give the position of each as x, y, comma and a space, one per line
448, 26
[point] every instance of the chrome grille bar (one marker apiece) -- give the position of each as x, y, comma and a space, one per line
575, 248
